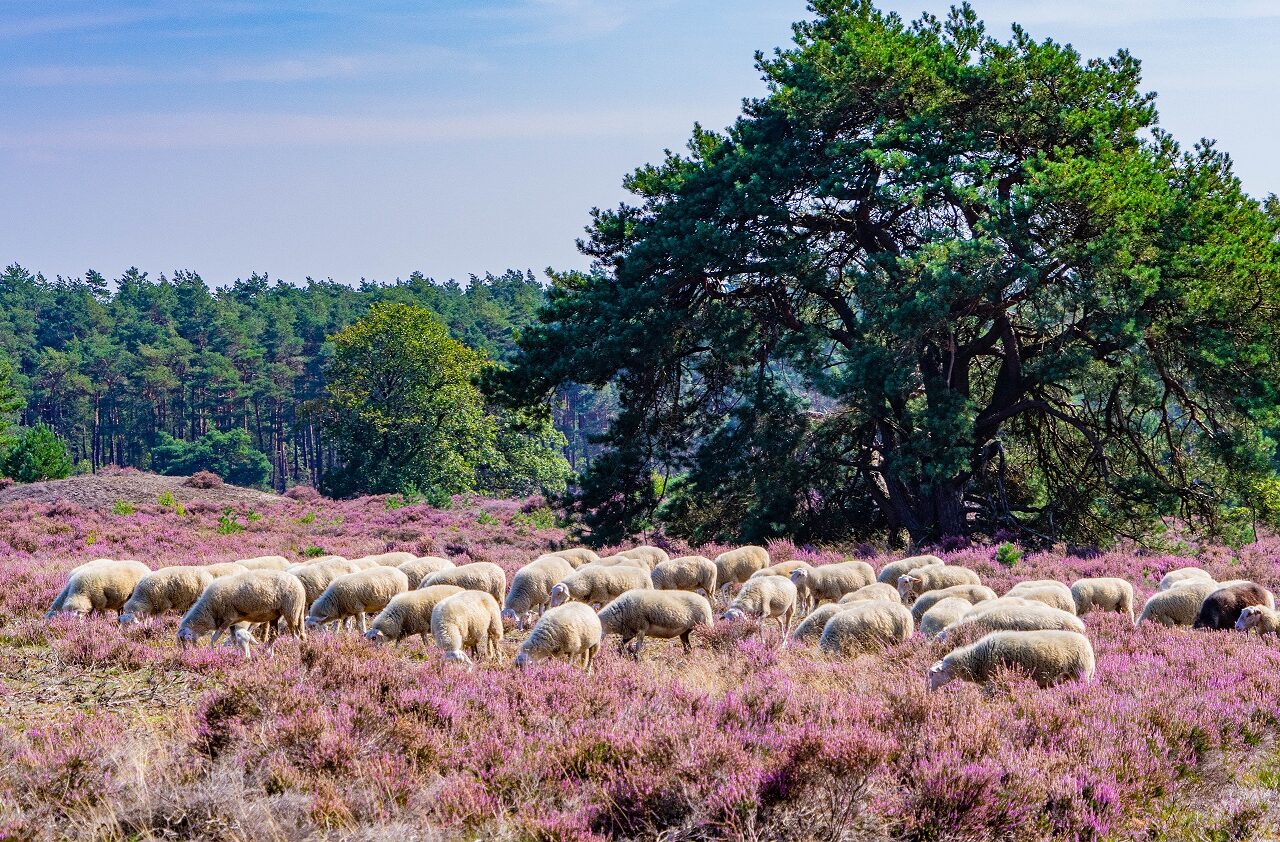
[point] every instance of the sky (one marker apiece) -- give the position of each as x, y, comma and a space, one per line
350, 140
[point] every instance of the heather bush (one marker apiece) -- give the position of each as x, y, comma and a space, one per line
203, 479
120, 734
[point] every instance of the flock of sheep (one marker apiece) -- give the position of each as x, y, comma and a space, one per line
573, 598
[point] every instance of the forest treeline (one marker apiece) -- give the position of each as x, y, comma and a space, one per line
122, 369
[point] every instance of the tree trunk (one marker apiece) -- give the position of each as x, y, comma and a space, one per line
948, 507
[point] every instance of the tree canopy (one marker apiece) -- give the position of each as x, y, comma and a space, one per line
932, 282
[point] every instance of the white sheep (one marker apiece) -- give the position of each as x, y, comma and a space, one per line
925, 579
1178, 604
810, 628
651, 556
577, 556
394, 559
686, 573
531, 586
259, 596
1053, 594
99, 586
420, 568
569, 631
1016, 618
1182, 574
166, 589
316, 577
1258, 618
894, 570
409, 613
782, 568
618, 561
599, 585
875, 590
1048, 656
225, 568
943, 614
866, 627
476, 576
1103, 593
661, 614
264, 562
769, 598
972, 594
736, 566
468, 622
357, 595
829, 582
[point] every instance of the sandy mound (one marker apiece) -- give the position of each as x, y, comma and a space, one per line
101, 491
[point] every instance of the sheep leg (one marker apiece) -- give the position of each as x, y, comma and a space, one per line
684, 641
364, 622
591, 658
639, 646
217, 633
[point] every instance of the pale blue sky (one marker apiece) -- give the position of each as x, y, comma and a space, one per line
368, 139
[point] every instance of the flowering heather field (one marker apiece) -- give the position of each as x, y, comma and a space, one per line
124, 736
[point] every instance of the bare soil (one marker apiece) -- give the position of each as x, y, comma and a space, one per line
101, 491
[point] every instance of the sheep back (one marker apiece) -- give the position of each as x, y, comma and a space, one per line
1222, 607
867, 627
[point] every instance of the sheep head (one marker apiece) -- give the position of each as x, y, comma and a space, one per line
559, 594
940, 674
907, 585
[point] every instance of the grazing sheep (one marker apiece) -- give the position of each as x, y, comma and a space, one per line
1017, 618
686, 573
661, 614
226, 568
97, 587
942, 615
736, 566
531, 588
1056, 595
618, 561
875, 590
1222, 607
264, 562
925, 579
477, 576
810, 628
599, 585
420, 568
1182, 574
867, 627
577, 556
772, 597
1104, 594
408, 613
651, 556
1258, 618
467, 621
325, 559
1049, 657
972, 594
1179, 604
357, 595
828, 583
782, 568
259, 596
891, 572
166, 589
569, 631
384, 559
316, 577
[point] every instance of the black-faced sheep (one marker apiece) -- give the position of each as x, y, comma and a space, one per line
1049, 657
638, 614
569, 631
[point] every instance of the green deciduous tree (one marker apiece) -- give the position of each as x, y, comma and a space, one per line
1002, 297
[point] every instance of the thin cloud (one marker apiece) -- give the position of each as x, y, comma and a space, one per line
1112, 13
203, 130
569, 20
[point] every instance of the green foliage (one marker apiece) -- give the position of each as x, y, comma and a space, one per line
312, 551
932, 283
407, 415
11, 402
37, 454
307, 519
1008, 555
123, 508
540, 518
229, 523
486, 519
230, 455
168, 501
